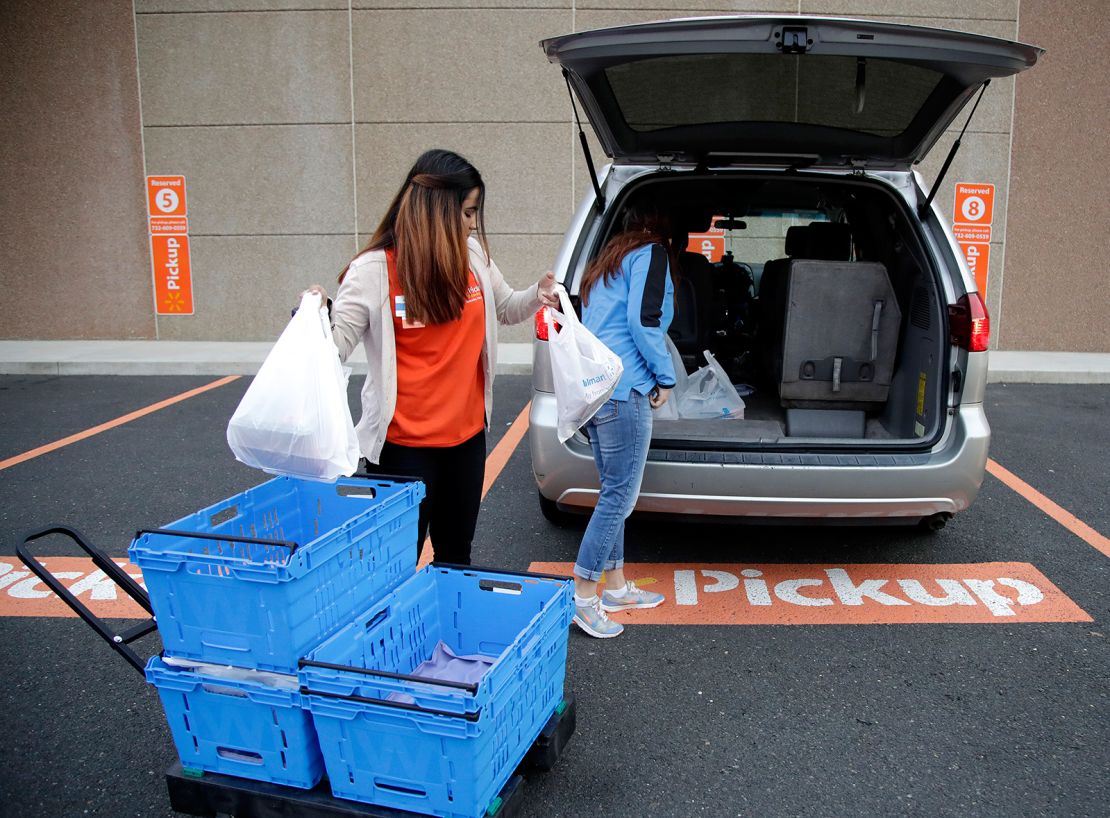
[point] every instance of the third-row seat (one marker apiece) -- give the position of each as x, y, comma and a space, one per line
831, 332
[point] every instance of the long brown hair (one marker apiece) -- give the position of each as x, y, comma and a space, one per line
642, 225
424, 224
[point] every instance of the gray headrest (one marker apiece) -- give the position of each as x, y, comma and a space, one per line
797, 241
829, 241
694, 222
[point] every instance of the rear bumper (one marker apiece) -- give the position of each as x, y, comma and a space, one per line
945, 480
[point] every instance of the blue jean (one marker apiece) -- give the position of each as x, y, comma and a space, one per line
620, 434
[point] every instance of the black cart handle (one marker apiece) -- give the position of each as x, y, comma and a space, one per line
386, 703
117, 641
200, 535
385, 478
469, 687
505, 571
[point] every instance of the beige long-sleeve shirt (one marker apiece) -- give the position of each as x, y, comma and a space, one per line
361, 312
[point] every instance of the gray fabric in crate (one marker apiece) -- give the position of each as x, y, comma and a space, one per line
447, 666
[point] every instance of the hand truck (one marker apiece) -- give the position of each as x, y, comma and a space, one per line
211, 794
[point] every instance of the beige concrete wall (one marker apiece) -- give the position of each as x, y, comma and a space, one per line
269, 93
251, 102
1054, 292
471, 78
74, 259
286, 179
293, 122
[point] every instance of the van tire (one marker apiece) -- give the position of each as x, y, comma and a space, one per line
553, 514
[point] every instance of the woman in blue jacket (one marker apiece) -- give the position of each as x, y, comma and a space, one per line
627, 301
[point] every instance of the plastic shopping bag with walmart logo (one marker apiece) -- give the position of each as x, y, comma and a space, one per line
585, 371
294, 418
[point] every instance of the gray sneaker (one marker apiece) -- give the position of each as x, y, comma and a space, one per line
633, 598
593, 621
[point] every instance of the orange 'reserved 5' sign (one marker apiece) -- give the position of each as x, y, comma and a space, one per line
167, 210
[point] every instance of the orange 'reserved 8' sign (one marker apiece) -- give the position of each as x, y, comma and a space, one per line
971, 226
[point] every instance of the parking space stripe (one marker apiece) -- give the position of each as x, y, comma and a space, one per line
495, 462
505, 448
112, 424
1056, 512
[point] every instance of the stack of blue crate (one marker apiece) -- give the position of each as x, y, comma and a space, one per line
297, 638
245, 588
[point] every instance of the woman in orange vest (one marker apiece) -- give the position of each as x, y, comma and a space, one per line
424, 299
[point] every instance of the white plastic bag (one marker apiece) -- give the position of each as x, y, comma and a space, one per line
709, 394
585, 371
294, 418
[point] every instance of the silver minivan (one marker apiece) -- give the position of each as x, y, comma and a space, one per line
810, 260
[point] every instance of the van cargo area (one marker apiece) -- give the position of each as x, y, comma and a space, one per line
813, 291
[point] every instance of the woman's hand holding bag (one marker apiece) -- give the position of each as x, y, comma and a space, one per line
585, 372
294, 418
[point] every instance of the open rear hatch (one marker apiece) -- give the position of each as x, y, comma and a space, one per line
804, 90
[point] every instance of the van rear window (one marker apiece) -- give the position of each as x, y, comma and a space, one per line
872, 96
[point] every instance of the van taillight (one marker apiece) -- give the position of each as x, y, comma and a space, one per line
969, 325
541, 324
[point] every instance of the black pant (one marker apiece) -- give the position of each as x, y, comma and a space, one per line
453, 483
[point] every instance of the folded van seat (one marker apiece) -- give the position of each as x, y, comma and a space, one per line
817, 240
840, 335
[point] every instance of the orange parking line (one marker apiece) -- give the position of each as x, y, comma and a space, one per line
111, 424
1056, 512
494, 464
505, 448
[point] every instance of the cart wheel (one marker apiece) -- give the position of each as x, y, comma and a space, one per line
543, 757
545, 752
506, 804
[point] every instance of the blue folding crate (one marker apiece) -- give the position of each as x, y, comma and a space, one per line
260, 579
239, 727
439, 747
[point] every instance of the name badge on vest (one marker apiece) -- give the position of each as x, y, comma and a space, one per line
399, 311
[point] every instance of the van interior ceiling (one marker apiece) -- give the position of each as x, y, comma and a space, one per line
815, 293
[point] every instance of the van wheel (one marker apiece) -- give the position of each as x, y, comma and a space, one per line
553, 514
935, 522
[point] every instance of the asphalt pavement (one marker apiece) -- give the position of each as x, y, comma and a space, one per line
822, 720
